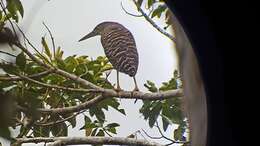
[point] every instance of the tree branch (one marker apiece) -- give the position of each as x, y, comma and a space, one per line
71, 109
153, 23
87, 140
17, 78
108, 93
58, 87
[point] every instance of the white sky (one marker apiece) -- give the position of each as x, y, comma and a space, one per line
70, 20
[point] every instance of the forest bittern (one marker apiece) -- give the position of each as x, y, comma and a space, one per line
120, 48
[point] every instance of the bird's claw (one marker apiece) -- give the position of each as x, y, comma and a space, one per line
118, 89
135, 90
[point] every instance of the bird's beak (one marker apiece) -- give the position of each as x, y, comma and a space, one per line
91, 34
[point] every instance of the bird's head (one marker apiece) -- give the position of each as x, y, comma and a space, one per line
99, 29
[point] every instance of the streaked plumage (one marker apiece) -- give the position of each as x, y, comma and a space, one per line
119, 46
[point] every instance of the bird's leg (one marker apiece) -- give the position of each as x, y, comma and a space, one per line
136, 87
117, 78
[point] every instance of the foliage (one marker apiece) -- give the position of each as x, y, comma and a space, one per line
97, 128
13, 9
33, 96
169, 110
157, 9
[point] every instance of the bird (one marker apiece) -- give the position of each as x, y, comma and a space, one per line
119, 47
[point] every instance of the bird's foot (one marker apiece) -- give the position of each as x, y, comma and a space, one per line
135, 90
118, 89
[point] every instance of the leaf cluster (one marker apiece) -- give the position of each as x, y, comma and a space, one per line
168, 110
30, 95
158, 9
12, 10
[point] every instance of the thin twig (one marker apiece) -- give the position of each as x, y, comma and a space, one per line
129, 12
160, 131
3, 52
153, 23
152, 137
8, 53
8, 62
60, 121
165, 137
58, 87
52, 38
107, 133
17, 78
71, 109
29, 42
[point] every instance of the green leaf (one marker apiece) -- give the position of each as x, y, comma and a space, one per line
14, 6
53, 79
154, 114
145, 109
41, 131
100, 133
6, 84
82, 59
112, 130
175, 74
106, 67
87, 119
71, 63
112, 125
44, 57
60, 129
150, 86
150, 3
122, 111
178, 133
158, 11
9, 68
100, 115
4, 132
19, 7
94, 132
46, 48
21, 61
58, 53
1, 16
139, 3
73, 122
81, 69
177, 116
165, 123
